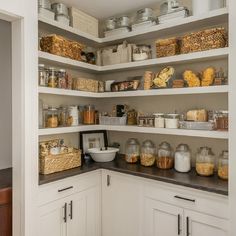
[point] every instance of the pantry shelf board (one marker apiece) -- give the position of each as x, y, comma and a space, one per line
135, 129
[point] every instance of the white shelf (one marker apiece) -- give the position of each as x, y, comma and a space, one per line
138, 93
221, 53
135, 129
183, 25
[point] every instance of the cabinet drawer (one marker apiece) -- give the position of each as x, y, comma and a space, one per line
63, 188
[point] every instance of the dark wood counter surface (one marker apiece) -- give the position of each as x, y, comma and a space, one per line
6, 178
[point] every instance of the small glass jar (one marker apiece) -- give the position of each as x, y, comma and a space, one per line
132, 151
183, 158
205, 162
222, 120
159, 120
223, 165
62, 82
42, 75
132, 117
148, 153
62, 116
89, 115
172, 121
52, 77
165, 159
73, 117
51, 117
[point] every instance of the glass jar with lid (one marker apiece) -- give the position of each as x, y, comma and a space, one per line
42, 75
52, 77
205, 162
132, 151
165, 159
51, 117
73, 116
172, 121
222, 120
89, 115
183, 158
148, 153
223, 165
159, 120
62, 116
62, 82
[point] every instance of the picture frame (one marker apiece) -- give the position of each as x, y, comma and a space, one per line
92, 139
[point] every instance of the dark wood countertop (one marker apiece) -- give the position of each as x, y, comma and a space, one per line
192, 180
6, 178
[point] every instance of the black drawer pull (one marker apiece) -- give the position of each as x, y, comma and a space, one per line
65, 213
108, 180
71, 210
179, 230
185, 199
64, 189
187, 226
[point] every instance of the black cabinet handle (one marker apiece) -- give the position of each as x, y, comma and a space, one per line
64, 189
71, 210
187, 226
65, 213
179, 230
108, 180
185, 199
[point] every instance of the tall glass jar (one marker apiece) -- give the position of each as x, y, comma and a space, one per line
159, 120
222, 120
183, 158
51, 117
73, 116
42, 75
223, 165
205, 162
89, 115
52, 77
148, 153
132, 151
165, 159
62, 83
62, 116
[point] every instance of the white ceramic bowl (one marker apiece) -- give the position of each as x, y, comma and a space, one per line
104, 155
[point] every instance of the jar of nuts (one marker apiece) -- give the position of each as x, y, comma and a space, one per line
165, 158
205, 162
223, 166
148, 153
132, 151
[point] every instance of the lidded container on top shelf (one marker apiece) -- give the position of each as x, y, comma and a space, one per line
132, 150
183, 158
165, 159
223, 165
205, 162
148, 153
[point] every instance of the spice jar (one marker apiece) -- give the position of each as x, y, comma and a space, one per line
159, 120
52, 78
62, 116
73, 117
132, 151
183, 158
62, 83
205, 162
165, 158
51, 117
148, 153
172, 121
89, 115
43, 75
223, 165
222, 120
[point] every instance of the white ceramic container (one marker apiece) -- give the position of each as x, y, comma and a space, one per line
103, 155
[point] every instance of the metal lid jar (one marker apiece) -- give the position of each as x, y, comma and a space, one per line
223, 165
205, 162
132, 151
89, 115
165, 159
42, 75
148, 153
52, 77
159, 120
183, 158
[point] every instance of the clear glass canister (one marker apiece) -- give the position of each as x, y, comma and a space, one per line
132, 151
42, 75
51, 117
165, 159
205, 162
62, 116
148, 153
89, 115
222, 120
172, 121
73, 116
52, 77
62, 81
183, 158
159, 120
223, 165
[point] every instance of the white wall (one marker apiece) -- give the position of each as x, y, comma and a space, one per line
5, 96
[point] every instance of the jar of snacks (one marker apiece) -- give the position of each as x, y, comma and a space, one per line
148, 153
43, 75
51, 117
165, 159
62, 81
81, 114
89, 115
205, 162
52, 77
172, 121
73, 116
223, 165
222, 120
132, 151
159, 120
183, 158
62, 116
148, 80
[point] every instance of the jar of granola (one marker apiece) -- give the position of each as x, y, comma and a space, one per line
223, 166
132, 151
165, 159
148, 153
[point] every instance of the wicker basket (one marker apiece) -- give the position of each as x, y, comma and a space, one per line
55, 163
88, 85
60, 46
167, 47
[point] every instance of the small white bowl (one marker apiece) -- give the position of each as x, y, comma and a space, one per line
104, 155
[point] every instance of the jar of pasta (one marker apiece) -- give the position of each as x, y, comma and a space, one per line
165, 158
52, 78
132, 151
148, 153
51, 117
223, 166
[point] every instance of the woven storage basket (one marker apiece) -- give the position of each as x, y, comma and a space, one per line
55, 163
167, 47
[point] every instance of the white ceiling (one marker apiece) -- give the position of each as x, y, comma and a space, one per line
105, 8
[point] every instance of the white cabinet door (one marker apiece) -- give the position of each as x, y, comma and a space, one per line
121, 205
161, 219
84, 213
198, 224
52, 219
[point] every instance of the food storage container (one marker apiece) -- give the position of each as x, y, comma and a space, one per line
132, 151
146, 121
111, 23
51, 117
52, 77
222, 120
132, 117
62, 116
167, 47
205, 162
172, 121
223, 165
148, 153
145, 14
89, 115
46, 4
141, 52
159, 120
194, 125
60, 9
65, 20
183, 158
165, 159
123, 21
73, 117
81, 114
62, 83
148, 79
43, 75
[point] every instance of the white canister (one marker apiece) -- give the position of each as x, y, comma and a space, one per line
172, 121
73, 115
183, 158
159, 120
108, 84
204, 6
